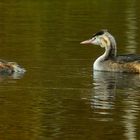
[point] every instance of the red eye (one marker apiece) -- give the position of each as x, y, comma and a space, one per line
93, 38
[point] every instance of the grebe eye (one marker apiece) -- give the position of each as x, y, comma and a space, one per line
94, 38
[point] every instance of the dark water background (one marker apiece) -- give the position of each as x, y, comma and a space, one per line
60, 97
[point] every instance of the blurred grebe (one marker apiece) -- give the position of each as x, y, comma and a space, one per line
110, 61
10, 67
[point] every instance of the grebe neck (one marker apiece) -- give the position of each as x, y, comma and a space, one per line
113, 46
110, 47
110, 53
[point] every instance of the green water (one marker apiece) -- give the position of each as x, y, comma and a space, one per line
60, 97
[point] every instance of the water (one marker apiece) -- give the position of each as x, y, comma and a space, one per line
60, 97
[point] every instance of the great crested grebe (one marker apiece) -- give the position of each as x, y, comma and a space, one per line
10, 67
110, 61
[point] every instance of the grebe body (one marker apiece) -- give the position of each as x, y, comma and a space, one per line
110, 61
10, 67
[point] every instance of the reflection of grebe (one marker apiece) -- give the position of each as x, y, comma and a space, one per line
10, 67
109, 61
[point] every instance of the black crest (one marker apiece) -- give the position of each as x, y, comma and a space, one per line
100, 33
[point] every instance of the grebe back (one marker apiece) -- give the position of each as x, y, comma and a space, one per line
110, 61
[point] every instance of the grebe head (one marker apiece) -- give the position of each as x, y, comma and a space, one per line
100, 38
16, 67
104, 39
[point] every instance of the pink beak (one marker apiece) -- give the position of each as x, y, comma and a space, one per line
86, 41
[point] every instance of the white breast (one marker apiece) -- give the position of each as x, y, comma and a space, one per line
98, 64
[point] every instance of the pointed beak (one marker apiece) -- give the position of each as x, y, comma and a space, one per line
89, 41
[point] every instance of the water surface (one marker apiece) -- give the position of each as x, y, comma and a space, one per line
60, 96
